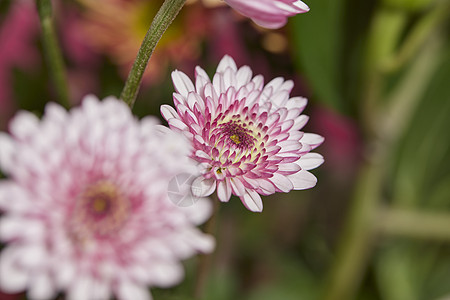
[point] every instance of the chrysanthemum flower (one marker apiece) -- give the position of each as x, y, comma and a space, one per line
85, 208
271, 14
245, 135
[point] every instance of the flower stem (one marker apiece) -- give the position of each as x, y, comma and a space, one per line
53, 53
204, 264
415, 224
161, 22
358, 235
417, 37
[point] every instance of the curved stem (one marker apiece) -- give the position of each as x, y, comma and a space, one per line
161, 22
418, 36
415, 224
356, 243
53, 53
205, 260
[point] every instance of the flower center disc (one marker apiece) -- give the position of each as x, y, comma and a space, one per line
237, 135
100, 211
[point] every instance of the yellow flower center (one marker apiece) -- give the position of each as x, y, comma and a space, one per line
235, 139
101, 210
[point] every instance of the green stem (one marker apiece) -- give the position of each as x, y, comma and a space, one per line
53, 53
402, 102
385, 32
205, 260
356, 242
414, 224
417, 37
161, 22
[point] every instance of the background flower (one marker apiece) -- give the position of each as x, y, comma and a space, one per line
269, 13
245, 135
85, 208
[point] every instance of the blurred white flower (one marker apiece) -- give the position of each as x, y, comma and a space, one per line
85, 205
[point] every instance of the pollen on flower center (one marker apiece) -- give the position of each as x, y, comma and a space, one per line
100, 210
237, 134
100, 205
235, 139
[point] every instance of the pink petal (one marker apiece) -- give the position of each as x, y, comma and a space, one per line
281, 182
203, 187
166, 274
278, 22
12, 278
224, 190
289, 168
297, 102
301, 5
183, 85
131, 290
244, 75
15, 227
312, 139
267, 186
225, 63
300, 122
168, 112
310, 161
237, 186
199, 72
41, 287
298, 5
24, 125
175, 123
252, 201
302, 180
200, 211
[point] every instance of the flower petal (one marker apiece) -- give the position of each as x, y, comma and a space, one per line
41, 287
12, 278
252, 201
302, 180
225, 63
310, 161
168, 112
281, 182
202, 187
183, 85
130, 290
237, 186
224, 190
312, 139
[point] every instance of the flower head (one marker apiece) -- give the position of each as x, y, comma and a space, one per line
245, 135
85, 208
271, 14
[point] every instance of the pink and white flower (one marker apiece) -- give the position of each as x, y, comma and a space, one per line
271, 14
246, 136
85, 208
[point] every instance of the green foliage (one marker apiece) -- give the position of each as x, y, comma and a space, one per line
317, 37
424, 154
410, 270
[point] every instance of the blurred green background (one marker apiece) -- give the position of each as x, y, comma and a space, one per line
377, 75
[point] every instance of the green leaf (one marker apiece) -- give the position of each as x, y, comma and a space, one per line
411, 270
317, 37
424, 154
